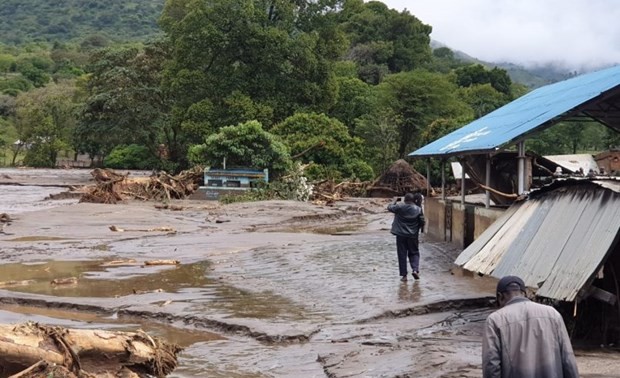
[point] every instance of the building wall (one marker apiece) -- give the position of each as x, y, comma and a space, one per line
465, 224
609, 160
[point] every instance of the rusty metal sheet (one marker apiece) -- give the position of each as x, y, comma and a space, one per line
555, 241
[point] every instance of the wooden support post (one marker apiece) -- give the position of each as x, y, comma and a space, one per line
443, 179
487, 199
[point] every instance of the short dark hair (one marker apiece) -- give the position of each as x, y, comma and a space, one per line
417, 199
409, 198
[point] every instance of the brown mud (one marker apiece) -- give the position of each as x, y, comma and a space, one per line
269, 289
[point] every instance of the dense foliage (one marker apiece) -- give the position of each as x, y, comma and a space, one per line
43, 20
340, 87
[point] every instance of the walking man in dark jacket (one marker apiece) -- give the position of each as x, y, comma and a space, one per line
525, 339
407, 224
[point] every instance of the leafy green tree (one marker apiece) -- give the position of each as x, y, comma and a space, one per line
476, 74
125, 104
355, 99
569, 138
7, 61
416, 99
45, 118
326, 143
383, 36
245, 145
227, 49
380, 134
482, 98
444, 61
132, 157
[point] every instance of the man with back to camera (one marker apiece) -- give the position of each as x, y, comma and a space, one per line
407, 224
524, 339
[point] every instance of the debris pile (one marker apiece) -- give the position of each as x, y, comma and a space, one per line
112, 187
328, 191
34, 350
398, 180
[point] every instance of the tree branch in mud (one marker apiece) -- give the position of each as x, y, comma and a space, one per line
84, 353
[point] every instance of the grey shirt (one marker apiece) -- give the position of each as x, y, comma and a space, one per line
525, 339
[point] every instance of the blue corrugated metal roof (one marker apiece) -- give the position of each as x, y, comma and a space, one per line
523, 115
555, 241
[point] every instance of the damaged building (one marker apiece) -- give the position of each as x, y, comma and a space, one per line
560, 235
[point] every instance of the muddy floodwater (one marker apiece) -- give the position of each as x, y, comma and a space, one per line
266, 289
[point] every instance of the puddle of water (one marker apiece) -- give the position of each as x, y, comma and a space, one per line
106, 279
36, 238
21, 199
95, 279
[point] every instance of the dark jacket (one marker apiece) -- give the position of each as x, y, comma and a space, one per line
525, 339
408, 219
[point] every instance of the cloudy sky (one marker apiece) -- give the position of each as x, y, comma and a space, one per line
578, 34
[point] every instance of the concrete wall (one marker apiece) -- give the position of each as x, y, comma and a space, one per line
459, 225
434, 213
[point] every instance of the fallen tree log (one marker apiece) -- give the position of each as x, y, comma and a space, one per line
85, 353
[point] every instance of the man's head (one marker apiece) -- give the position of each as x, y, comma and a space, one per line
409, 198
509, 287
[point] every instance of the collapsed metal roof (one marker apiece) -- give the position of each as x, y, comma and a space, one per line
574, 162
556, 240
594, 95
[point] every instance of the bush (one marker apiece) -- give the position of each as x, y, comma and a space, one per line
39, 155
132, 156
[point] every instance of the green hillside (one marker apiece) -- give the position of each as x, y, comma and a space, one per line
23, 21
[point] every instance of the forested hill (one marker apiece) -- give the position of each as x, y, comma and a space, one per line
23, 21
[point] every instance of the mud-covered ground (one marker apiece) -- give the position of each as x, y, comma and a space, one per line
269, 289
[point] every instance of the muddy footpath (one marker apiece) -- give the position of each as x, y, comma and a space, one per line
263, 289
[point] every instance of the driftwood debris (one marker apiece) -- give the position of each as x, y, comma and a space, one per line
114, 228
112, 187
328, 191
162, 262
16, 283
34, 350
64, 281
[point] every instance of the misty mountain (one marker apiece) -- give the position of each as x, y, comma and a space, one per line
532, 77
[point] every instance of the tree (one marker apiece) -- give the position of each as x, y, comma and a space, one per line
244, 145
382, 36
380, 134
325, 143
45, 118
416, 99
252, 48
355, 99
477, 74
125, 103
482, 98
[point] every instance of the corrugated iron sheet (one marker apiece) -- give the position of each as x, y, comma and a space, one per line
556, 240
574, 162
523, 115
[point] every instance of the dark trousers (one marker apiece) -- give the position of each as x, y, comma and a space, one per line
407, 248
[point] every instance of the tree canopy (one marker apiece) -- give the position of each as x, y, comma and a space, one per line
344, 87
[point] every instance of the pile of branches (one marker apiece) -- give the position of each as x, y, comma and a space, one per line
112, 187
328, 191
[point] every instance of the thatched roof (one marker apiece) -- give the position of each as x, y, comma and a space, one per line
398, 180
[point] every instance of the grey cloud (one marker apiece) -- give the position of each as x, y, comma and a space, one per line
579, 34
